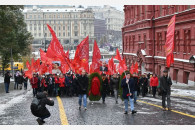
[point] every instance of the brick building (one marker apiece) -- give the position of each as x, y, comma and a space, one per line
144, 37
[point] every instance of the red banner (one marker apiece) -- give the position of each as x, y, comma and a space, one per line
169, 45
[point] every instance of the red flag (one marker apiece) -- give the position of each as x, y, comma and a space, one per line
118, 57
28, 74
111, 66
169, 45
28, 65
136, 68
95, 66
132, 69
81, 58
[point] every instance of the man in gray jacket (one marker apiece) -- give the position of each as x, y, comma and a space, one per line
165, 87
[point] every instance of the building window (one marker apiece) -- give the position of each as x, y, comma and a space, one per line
39, 16
54, 16
129, 43
50, 16
39, 27
59, 28
34, 16
160, 10
187, 41
75, 27
30, 16
76, 41
68, 33
63, 27
45, 35
133, 41
145, 42
35, 27
45, 28
39, 34
59, 34
54, 27
64, 34
68, 27
159, 42
84, 27
75, 33
35, 34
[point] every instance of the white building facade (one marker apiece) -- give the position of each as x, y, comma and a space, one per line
70, 24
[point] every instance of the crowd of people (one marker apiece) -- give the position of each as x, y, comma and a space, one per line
71, 84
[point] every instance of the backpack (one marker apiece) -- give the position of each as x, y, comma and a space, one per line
35, 105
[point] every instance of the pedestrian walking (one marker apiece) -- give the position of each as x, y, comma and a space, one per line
104, 87
62, 84
136, 88
114, 82
16, 80
154, 83
83, 89
7, 81
165, 87
20, 81
34, 84
56, 85
25, 79
69, 85
127, 85
51, 84
143, 82
38, 107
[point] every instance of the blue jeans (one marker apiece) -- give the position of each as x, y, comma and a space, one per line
135, 96
84, 96
6, 87
131, 103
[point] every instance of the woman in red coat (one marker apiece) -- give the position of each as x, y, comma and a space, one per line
62, 84
34, 83
154, 84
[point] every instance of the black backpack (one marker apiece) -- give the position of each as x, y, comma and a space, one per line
35, 105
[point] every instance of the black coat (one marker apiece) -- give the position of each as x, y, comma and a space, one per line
20, 79
43, 111
83, 83
7, 78
165, 84
105, 69
114, 83
104, 86
125, 87
136, 79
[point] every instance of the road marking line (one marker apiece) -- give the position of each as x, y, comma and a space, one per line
174, 95
167, 109
63, 117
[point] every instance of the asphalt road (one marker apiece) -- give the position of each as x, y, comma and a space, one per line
17, 112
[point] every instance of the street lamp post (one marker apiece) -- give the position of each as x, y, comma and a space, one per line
12, 68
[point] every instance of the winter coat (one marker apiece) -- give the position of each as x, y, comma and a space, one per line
136, 81
83, 83
165, 84
105, 69
124, 86
62, 82
7, 78
25, 79
143, 82
43, 82
51, 80
43, 111
104, 86
20, 79
154, 82
69, 81
34, 82
56, 80
114, 83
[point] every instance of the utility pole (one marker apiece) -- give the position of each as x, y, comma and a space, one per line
12, 68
